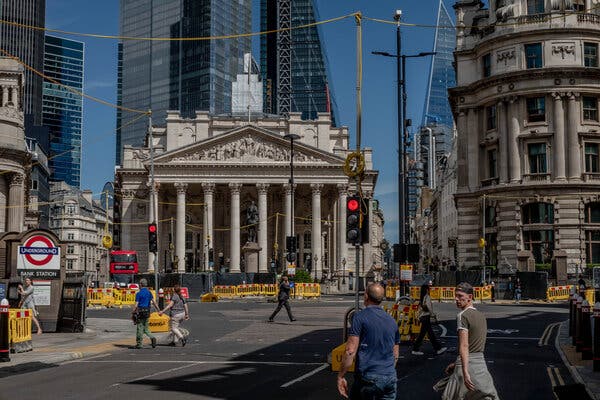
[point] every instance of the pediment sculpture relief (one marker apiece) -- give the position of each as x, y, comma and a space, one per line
247, 148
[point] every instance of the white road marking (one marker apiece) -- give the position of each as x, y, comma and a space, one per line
154, 374
444, 330
212, 362
551, 376
561, 382
504, 338
301, 378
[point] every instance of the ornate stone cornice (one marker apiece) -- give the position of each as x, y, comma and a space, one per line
128, 194
17, 179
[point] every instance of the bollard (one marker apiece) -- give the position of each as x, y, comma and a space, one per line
586, 331
161, 298
4, 339
577, 336
597, 337
572, 309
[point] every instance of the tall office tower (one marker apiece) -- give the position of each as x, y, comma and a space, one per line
293, 62
27, 44
63, 109
178, 75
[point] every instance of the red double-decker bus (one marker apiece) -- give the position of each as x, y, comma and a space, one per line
123, 266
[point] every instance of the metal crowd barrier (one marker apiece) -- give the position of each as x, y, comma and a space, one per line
268, 290
225, 291
390, 292
299, 290
19, 330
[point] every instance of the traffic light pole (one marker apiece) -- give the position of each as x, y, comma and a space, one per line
152, 197
356, 297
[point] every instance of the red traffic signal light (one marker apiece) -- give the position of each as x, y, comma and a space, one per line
152, 228
353, 204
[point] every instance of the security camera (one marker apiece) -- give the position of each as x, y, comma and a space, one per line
397, 15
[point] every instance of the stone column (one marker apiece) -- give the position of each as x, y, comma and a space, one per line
4, 95
559, 138
343, 247
209, 189
127, 197
588, 5
263, 259
316, 230
16, 203
180, 226
513, 142
289, 193
234, 264
462, 162
573, 138
502, 142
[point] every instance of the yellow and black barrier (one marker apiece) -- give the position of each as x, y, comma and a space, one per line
556, 293
158, 323
19, 330
300, 290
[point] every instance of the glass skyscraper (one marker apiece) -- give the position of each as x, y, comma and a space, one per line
62, 110
27, 44
294, 64
178, 75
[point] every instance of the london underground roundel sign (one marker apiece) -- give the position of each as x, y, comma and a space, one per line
39, 257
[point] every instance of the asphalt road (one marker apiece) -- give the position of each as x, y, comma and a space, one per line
233, 353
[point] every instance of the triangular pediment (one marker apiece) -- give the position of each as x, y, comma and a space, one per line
247, 145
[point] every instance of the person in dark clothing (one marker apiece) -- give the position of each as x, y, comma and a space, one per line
425, 313
283, 299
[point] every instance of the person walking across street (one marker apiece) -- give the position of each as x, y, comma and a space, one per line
518, 291
469, 376
28, 301
425, 315
141, 314
283, 298
179, 312
374, 340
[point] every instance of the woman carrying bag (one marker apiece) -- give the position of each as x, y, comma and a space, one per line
179, 313
425, 314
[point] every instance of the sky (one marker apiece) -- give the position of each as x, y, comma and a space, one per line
379, 114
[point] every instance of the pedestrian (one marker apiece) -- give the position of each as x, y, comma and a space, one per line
425, 314
28, 301
141, 314
493, 291
283, 298
179, 312
518, 291
374, 340
469, 376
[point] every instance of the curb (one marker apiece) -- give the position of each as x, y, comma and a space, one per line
574, 373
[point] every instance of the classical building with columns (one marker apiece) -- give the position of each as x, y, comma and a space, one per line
208, 171
526, 109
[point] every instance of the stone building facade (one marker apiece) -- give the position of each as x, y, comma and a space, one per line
209, 169
526, 110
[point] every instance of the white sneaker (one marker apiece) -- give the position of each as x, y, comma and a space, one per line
442, 350
417, 353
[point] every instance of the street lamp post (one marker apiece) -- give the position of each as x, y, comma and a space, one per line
401, 111
292, 137
343, 271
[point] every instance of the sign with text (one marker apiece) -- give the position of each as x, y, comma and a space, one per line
39, 258
42, 293
406, 272
2, 291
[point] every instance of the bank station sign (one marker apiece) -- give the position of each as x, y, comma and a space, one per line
39, 258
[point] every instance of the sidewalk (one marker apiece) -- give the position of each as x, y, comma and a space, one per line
102, 335
580, 370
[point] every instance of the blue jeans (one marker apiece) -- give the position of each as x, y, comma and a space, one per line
374, 387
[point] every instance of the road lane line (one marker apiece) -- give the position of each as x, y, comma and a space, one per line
308, 374
549, 334
561, 382
210, 362
541, 342
551, 376
153, 375
444, 330
504, 338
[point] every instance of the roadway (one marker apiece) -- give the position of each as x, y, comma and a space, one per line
233, 353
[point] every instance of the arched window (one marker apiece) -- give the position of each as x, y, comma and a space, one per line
538, 234
592, 233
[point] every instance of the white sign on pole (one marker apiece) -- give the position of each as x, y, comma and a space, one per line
39, 258
406, 272
42, 293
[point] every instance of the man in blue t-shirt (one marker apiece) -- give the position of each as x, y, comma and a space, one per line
143, 300
375, 338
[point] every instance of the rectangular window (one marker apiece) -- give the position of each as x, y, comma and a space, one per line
590, 55
535, 7
536, 109
492, 163
71, 222
490, 116
70, 249
69, 264
590, 108
592, 247
70, 236
591, 157
487, 65
541, 245
533, 55
537, 158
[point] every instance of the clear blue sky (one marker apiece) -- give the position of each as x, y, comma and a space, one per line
379, 90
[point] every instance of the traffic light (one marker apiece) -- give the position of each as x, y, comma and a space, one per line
211, 255
353, 230
152, 238
290, 244
291, 257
